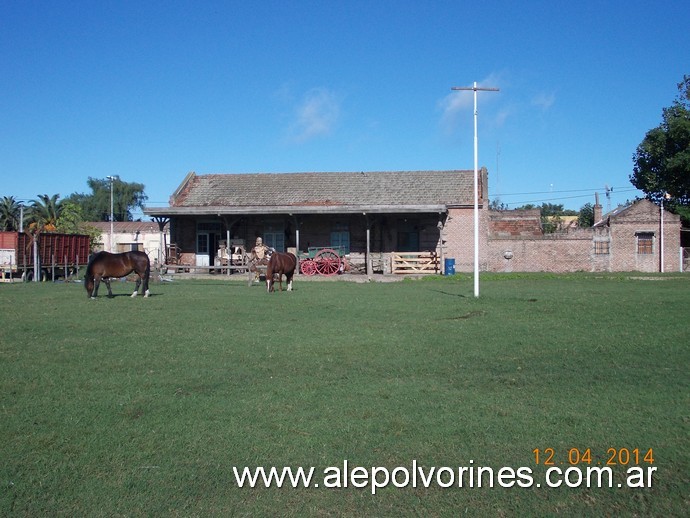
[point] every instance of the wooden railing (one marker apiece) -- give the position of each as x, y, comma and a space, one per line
415, 262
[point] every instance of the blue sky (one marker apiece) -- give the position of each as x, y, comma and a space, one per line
152, 90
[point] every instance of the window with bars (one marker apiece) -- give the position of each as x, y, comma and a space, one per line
601, 247
645, 243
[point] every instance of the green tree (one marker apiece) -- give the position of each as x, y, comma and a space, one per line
96, 206
71, 219
44, 213
10, 211
585, 218
662, 160
551, 209
497, 204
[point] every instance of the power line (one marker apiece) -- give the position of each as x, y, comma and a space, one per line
552, 198
618, 189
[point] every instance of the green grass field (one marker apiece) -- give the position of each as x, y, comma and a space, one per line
142, 407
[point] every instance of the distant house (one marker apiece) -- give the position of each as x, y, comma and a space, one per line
145, 236
637, 237
375, 216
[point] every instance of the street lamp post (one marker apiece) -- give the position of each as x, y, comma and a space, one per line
112, 180
475, 88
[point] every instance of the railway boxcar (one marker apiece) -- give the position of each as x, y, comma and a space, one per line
59, 255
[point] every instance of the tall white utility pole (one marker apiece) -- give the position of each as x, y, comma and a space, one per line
112, 179
475, 88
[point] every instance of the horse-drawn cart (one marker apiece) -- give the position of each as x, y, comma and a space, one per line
322, 260
317, 260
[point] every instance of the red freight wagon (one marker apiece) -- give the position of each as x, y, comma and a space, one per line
58, 254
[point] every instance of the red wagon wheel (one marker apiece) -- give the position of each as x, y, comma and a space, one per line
307, 266
327, 262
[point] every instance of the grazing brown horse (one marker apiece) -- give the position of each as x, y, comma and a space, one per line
105, 265
280, 264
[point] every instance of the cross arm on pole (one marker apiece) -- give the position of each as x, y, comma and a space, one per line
475, 88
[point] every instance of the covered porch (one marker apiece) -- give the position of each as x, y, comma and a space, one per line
368, 242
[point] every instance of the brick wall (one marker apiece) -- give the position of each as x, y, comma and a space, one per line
513, 241
458, 237
519, 222
547, 253
516, 242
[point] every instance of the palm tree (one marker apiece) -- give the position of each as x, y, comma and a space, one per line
44, 213
9, 213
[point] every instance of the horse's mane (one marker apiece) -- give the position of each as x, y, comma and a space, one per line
92, 261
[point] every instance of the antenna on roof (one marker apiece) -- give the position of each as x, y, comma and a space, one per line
609, 190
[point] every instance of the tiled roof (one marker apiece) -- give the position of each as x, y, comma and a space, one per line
321, 192
623, 210
128, 227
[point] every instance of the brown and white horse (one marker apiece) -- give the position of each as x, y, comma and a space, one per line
105, 265
280, 264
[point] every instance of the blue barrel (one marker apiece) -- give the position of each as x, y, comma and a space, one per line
449, 266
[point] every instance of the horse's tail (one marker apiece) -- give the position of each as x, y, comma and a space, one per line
147, 273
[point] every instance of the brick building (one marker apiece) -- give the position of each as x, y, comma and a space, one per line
626, 239
370, 216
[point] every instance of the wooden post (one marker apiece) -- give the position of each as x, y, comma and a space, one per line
368, 262
37, 260
297, 270
228, 252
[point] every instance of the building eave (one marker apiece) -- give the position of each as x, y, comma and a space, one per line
292, 209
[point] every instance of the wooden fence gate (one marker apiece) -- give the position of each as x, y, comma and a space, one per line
415, 262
